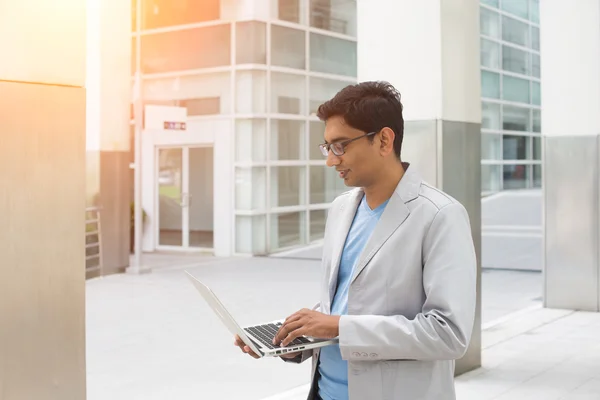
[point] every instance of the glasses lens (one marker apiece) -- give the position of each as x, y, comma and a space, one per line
323, 149
337, 148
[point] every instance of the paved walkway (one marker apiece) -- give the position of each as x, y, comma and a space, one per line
540, 354
152, 337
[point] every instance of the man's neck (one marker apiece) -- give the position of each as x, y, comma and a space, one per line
382, 190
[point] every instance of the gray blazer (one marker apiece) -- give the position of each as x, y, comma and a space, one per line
411, 302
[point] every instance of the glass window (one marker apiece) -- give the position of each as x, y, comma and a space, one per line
287, 140
289, 10
288, 229
490, 116
534, 11
536, 95
288, 47
321, 90
537, 121
515, 89
250, 140
133, 56
251, 234
334, 15
490, 23
316, 137
332, 55
515, 147
490, 54
251, 42
514, 31
186, 49
516, 177
535, 65
250, 188
325, 184
516, 7
288, 93
162, 13
288, 186
491, 146
515, 60
317, 224
490, 85
202, 93
251, 92
515, 119
493, 3
537, 176
535, 38
537, 148
491, 178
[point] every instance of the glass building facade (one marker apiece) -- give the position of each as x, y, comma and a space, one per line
266, 70
510, 89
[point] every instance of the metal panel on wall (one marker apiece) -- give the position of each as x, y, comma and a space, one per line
571, 214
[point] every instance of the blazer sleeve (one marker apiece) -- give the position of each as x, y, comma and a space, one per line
443, 328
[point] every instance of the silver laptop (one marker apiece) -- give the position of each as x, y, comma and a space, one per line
258, 337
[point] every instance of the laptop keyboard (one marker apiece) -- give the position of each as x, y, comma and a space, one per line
265, 334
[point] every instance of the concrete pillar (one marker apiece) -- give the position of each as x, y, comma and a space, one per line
108, 124
429, 50
570, 61
42, 200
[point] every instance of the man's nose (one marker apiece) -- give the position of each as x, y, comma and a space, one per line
332, 159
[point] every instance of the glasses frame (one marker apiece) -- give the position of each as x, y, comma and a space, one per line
326, 147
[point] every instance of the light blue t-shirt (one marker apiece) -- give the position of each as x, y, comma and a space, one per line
333, 383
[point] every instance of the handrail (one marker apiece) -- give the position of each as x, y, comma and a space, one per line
93, 240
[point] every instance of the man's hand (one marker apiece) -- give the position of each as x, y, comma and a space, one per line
240, 343
307, 323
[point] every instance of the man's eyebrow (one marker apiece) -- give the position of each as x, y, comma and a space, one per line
339, 139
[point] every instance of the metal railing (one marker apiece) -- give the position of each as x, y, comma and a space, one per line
93, 245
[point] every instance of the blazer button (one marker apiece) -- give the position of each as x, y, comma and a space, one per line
365, 355
373, 355
356, 354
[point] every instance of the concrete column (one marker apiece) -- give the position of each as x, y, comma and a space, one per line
108, 129
42, 200
429, 50
570, 61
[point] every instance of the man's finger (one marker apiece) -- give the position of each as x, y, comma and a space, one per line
286, 329
293, 335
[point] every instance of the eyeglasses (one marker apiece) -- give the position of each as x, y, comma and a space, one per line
339, 148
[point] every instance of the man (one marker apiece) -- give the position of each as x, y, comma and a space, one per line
399, 265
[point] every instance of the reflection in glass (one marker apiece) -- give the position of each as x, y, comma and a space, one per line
515, 60
287, 140
520, 8
289, 10
317, 224
251, 234
288, 47
171, 51
490, 116
535, 65
534, 11
535, 38
515, 147
334, 15
536, 95
490, 85
288, 93
317, 128
490, 23
170, 212
325, 184
287, 186
490, 54
515, 89
201, 189
288, 229
250, 188
537, 148
491, 146
537, 176
515, 119
491, 179
537, 123
162, 13
514, 31
251, 42
250, 140
516, 176
332, 55
322, 90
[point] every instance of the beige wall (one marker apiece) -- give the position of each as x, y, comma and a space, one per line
42, 198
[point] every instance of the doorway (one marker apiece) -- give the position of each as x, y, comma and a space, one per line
184, 179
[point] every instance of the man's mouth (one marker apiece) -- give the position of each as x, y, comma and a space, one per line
343, 173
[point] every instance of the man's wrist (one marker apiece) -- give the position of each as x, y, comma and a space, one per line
336, 325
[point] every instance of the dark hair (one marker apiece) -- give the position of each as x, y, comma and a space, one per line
369, 107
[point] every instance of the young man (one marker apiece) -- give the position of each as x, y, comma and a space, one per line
399, 265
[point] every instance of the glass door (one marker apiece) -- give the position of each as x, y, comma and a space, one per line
185, 197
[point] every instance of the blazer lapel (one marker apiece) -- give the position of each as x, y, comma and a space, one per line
395, 213
345, 218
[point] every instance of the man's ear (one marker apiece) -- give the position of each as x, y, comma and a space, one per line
387, 141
